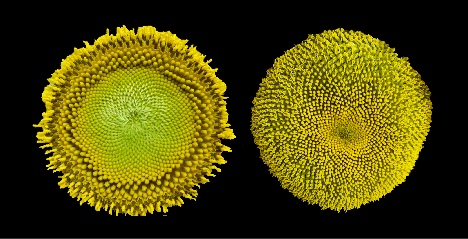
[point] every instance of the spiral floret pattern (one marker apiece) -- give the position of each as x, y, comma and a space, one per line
134, 122
340, 119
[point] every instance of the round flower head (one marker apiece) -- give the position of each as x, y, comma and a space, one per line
134, 122
340, 119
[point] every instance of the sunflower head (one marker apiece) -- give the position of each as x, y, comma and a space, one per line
134, 121
340, 119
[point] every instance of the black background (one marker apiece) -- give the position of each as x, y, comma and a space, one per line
243, 200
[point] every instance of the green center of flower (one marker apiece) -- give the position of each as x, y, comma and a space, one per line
136, 121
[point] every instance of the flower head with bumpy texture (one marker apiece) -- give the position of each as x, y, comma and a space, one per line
340, 119
134, 122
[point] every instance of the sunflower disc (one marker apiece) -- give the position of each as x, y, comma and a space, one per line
134, 122
340, 119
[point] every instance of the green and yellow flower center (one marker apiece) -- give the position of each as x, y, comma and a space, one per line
136, 122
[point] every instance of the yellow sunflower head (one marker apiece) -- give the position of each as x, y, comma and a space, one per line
134, 121
340, 119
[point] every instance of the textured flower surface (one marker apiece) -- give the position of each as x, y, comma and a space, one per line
340, 119
134, 122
